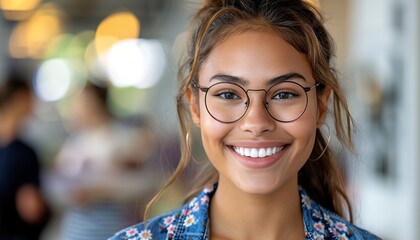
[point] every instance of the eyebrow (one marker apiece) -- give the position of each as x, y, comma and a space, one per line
244, 82
285, 77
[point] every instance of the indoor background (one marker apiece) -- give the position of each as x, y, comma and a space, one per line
133, 46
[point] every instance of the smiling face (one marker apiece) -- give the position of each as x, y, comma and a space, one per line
256, 154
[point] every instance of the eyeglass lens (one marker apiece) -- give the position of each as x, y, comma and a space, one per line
228, 102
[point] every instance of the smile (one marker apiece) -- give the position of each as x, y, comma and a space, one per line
257, 152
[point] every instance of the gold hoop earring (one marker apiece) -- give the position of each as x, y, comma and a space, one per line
325, 148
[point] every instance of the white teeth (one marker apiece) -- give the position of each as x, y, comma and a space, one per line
262, 153
257, 152
269, 151
254, 153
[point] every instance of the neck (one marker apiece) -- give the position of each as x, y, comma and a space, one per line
249, 216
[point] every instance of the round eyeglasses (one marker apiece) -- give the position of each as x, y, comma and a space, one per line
228, 102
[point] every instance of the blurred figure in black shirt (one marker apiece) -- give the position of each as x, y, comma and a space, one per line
23, 210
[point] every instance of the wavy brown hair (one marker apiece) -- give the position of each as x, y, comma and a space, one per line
301, 25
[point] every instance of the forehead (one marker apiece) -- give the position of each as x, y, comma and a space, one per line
254, 55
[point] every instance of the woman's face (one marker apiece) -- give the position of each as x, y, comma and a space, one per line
256, 58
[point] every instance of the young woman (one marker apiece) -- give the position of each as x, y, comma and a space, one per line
258, 79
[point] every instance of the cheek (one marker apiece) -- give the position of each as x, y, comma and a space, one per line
210, 128
212, 131
304, 129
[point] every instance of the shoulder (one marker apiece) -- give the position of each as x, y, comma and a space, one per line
342, 228
20, 146
19, 150
188, 221
321, 223
156, 228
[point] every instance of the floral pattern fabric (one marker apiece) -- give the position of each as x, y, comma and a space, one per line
190, 222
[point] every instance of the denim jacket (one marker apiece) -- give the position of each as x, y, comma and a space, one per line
190, 222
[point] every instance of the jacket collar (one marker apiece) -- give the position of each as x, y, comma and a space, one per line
193, 219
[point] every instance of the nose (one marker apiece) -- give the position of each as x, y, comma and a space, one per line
257, 120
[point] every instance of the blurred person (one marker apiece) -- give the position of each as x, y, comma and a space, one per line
99, 167
23, 210
257, 79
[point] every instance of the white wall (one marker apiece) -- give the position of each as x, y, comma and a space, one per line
384, 58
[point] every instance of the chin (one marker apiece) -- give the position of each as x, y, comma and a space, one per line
260, 185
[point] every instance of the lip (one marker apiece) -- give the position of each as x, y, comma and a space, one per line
257, 163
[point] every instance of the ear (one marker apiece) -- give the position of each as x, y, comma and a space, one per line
323, 106
194, 108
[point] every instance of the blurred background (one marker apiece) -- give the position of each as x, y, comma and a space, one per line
129, 49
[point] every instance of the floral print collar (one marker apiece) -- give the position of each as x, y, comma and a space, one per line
191, 222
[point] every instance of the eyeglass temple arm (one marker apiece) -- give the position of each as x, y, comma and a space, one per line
320, 85
195, 85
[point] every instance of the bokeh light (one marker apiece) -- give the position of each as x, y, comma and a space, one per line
93, 63
17, 10
18, 5
30, 38
116, 27
128, 102
52, 80
135, 62
56, 78
69, 46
